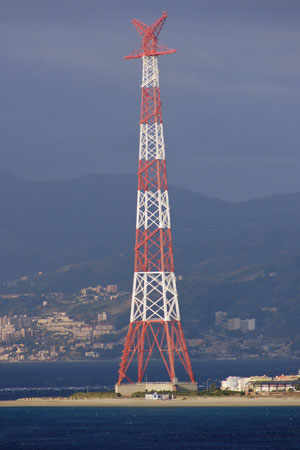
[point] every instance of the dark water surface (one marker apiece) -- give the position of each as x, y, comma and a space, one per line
42, 379
150, 428
139, 428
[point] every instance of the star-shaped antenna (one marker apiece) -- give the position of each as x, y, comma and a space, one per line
151, 46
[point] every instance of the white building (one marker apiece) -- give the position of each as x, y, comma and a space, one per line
156, 396
231, 383
239, 324
243, 384
234, 323
248, 324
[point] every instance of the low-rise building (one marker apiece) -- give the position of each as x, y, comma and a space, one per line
262, 384
220, 317
102, 317
157, 396
239, 324
103, 329
112, 288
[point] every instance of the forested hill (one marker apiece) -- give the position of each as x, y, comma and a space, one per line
45, 225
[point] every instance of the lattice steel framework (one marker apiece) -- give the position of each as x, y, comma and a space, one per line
155, 319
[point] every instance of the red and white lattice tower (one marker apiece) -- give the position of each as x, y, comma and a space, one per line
155, 319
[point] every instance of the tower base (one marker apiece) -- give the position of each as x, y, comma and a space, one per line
145, 336
179, 386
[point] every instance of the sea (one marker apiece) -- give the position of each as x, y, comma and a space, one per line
139, 428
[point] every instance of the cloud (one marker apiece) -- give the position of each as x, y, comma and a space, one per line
70, 103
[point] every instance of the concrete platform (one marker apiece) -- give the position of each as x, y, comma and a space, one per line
178, 386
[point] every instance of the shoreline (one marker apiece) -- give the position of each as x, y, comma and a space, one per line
117, 359
141, 402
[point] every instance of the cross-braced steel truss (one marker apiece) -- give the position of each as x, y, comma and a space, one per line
145, 337
155, 319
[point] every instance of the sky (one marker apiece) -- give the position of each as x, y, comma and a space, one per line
70, 103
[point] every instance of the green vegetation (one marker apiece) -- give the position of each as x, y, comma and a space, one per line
93, 395
138, 395
216, 392
210, 392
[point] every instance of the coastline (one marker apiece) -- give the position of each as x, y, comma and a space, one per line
116, 359
141, 402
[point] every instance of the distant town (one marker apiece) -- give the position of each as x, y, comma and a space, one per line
53, 335
91, 324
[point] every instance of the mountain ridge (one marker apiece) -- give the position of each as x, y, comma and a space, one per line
47, 224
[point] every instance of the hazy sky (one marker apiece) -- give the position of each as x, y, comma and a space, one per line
70, 103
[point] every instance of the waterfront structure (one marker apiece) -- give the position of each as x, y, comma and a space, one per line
262, 384
156, 396
155, 318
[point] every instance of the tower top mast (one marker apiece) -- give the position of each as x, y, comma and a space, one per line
151, 46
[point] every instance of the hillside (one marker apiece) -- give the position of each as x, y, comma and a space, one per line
45, 225
225, 252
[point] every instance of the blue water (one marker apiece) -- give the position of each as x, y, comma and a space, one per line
42, 379
139, 428
150, 428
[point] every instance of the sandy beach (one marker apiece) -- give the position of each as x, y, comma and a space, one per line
179, 402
